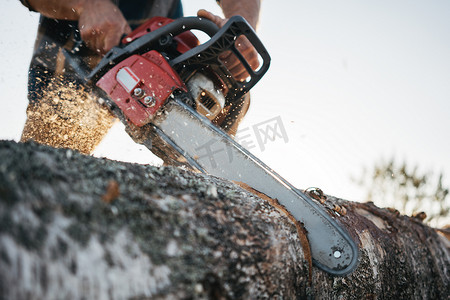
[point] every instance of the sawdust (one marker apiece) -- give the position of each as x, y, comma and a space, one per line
67, 116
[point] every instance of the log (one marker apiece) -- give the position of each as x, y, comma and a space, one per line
77, 227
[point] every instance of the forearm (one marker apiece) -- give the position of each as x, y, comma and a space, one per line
249, 9
100, 22
60, 9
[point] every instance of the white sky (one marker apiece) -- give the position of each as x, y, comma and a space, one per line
353, 82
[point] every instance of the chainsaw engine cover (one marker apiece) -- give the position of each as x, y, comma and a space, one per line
140, 85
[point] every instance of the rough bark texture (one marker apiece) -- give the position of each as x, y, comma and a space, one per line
78, 227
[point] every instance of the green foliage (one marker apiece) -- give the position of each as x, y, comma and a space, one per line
396, 185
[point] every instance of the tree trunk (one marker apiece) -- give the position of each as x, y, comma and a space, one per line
78, 227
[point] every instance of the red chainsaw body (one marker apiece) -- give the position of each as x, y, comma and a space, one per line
141, 84
151, 75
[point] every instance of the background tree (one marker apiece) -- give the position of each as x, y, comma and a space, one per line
407, 189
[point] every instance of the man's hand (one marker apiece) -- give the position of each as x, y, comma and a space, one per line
242, 44
101, 25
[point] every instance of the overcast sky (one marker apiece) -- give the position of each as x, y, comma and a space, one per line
351, 81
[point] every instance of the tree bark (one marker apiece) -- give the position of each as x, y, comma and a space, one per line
79, 227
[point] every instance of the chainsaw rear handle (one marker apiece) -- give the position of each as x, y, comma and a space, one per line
206, 54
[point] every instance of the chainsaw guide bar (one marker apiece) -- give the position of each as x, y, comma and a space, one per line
216, 153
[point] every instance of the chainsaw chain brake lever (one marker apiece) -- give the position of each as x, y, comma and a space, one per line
149, 42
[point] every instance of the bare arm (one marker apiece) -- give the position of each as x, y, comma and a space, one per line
56, 9
100, 22
249, 9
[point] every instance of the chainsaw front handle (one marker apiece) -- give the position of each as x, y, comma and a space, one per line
150, 42
206, 54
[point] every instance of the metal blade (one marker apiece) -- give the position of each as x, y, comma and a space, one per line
216, 153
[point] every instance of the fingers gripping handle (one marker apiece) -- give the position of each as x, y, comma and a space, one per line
225, 40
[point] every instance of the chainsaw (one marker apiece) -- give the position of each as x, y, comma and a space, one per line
167, 88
